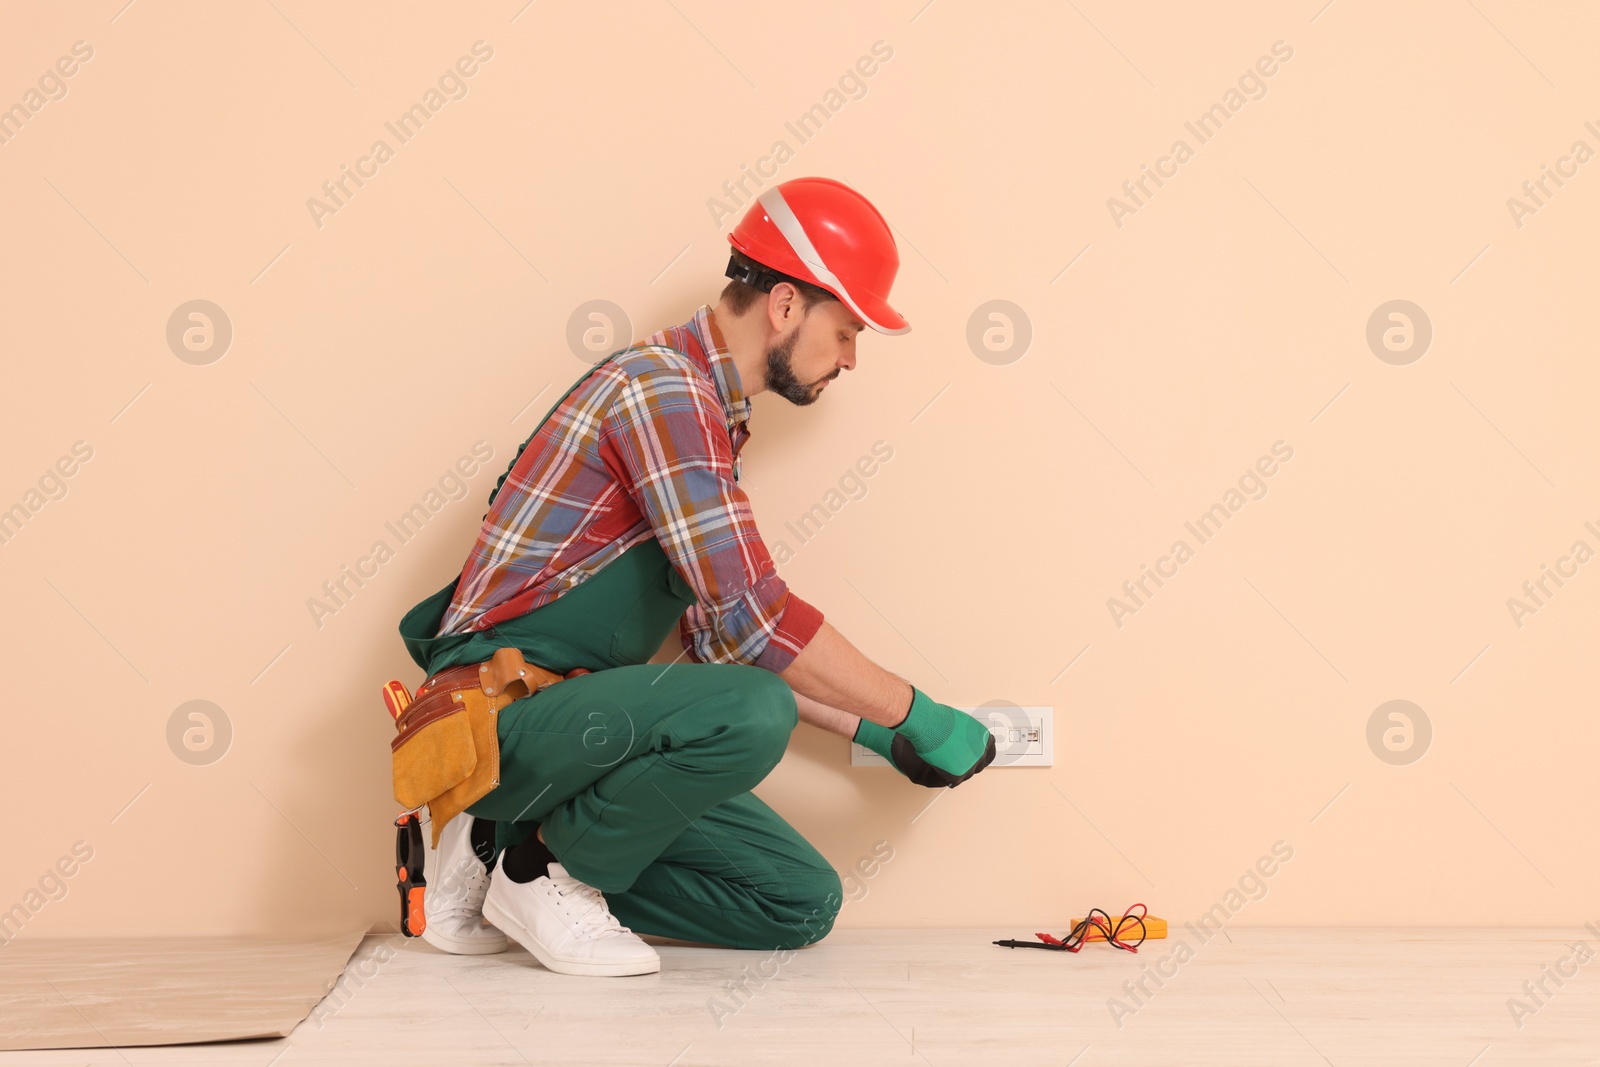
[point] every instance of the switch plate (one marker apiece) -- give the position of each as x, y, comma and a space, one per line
1023, 737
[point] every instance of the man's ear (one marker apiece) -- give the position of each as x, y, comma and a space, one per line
783, 307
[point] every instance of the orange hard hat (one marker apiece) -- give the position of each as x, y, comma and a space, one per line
822, 231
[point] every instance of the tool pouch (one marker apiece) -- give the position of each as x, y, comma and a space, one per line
435, 749
447, 753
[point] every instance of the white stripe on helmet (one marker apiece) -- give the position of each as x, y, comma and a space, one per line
783, 217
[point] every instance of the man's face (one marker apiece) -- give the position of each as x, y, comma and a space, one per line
800, 367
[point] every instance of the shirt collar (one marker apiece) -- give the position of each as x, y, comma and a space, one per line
729, 388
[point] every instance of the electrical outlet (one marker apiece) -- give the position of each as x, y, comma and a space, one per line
1023, 737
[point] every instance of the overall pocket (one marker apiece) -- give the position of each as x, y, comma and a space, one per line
644, 627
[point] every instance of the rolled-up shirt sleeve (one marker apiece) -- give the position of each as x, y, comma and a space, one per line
666, 440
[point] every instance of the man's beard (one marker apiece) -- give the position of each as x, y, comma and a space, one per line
780, 374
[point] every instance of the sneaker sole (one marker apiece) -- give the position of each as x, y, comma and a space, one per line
590, 968
477, 946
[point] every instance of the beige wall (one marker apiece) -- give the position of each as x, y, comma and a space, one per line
374, 345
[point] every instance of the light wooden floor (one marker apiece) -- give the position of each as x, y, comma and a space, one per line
948, 997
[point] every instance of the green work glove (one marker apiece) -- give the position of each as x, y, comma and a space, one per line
936, 745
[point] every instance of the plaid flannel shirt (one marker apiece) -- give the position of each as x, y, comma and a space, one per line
646, 446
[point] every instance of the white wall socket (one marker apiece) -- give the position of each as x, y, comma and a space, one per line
1023, 737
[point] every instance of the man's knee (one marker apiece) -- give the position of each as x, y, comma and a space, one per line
762, 712
818, 898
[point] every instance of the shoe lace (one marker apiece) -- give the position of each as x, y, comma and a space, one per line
473, 879
477, 877
586, 907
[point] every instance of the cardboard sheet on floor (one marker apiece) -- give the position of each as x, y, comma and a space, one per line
110, 992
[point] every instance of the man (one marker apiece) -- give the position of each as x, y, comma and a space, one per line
622, 801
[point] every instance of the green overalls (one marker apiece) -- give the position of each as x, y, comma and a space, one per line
640, 773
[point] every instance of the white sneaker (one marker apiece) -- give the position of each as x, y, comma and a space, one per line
566, 925
452, 903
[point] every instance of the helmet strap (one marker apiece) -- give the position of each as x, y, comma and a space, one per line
760, 278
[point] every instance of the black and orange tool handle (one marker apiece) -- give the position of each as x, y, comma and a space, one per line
408, 869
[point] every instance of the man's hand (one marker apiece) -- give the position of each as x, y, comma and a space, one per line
936, 746
932, 744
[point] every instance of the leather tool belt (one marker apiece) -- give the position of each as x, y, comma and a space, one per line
447, 754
